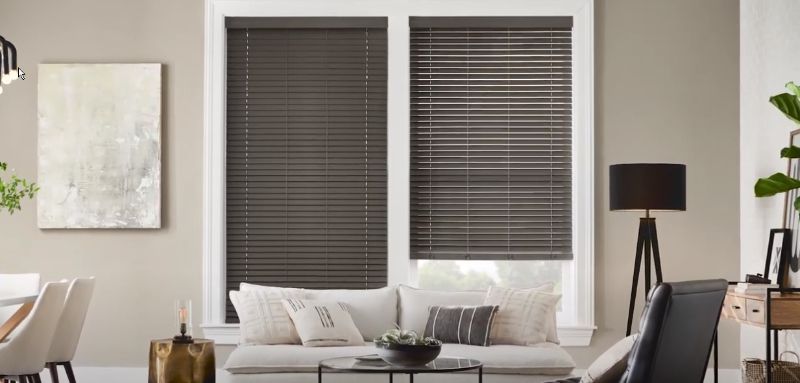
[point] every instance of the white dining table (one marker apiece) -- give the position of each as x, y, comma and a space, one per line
26, 302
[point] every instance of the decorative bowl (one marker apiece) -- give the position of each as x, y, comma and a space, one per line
407, 355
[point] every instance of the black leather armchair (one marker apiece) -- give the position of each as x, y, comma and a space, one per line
676, 333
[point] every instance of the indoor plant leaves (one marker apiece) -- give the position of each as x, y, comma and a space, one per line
789, 105
776, 183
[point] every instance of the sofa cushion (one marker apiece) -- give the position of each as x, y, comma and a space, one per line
262, 318
415, 304
542, 359
323, 323
525, 315
461, 324
374, 311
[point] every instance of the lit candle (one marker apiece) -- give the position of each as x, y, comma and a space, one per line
182, 314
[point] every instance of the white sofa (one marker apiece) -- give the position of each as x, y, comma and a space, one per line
375, 311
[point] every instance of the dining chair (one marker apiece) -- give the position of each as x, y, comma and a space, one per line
16, 285
70, 325
23, 357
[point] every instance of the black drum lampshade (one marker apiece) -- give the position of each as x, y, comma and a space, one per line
647, 187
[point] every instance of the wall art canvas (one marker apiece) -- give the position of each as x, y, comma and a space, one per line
99, 146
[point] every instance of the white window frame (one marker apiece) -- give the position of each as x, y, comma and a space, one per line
578, 329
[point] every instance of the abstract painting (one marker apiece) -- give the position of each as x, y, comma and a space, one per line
99, 146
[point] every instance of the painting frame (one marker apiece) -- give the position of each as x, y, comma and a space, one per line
791, 218
99, 146
776, 260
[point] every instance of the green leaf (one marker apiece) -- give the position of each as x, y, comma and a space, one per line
776, 183
793, 88
790, 152
788, 104
797, 204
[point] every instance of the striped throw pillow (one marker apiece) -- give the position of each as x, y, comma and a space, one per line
461, 324
323, 323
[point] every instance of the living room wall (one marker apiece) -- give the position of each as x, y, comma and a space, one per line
666, 76
770, 36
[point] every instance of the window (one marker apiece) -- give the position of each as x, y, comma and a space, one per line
306, 153
576, 321
491, 151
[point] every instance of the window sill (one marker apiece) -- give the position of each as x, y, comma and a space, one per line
228, 334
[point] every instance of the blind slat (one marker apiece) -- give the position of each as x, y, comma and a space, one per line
491, 138
306, 153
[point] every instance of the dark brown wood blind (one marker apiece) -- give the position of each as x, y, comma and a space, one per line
306, 153
491, 138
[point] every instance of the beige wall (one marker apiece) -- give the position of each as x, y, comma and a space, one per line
667, 85
667, 80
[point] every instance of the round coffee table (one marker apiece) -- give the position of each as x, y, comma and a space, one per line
442, 364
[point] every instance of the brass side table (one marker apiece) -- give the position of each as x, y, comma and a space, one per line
182, 363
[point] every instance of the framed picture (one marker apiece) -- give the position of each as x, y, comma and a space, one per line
778, 250
791, 218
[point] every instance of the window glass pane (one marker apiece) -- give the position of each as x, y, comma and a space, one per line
478, 275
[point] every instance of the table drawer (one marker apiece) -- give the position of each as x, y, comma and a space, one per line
734, 308
755, 311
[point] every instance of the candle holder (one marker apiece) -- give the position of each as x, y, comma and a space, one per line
183, 319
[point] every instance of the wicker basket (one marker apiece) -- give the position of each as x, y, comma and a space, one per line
755, 370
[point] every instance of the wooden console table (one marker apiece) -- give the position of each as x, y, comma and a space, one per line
776, 310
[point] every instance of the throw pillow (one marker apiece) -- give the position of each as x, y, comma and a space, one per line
374, 311
415, 304
610, 366
524, 316
262, 318
462, 325
323, 323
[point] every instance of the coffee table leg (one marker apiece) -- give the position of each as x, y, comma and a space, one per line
410, 378
391, 378
480, 374
319, 374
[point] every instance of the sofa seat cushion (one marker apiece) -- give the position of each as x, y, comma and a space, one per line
541, 359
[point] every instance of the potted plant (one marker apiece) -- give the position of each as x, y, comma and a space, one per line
789, 105
406, 348
13, 190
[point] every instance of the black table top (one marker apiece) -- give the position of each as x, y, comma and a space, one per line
441, 364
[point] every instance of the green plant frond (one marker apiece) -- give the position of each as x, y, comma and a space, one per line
790, 152
788, 104
792, 87
14, 190
774, 184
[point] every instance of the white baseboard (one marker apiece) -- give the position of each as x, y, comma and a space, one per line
139, 375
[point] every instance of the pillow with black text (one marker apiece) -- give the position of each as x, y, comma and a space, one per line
323, 323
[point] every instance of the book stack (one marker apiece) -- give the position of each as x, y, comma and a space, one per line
754, 288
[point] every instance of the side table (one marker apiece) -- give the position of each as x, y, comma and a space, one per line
182, 362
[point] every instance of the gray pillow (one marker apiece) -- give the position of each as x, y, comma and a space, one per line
461, 324
609, 367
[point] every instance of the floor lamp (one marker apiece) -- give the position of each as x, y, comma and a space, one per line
646, 187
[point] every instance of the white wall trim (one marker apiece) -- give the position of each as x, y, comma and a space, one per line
397, 12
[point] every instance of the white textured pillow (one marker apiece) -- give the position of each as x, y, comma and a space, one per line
323, 323
262, 318
374, 311
415, 304
609, 367
524, 316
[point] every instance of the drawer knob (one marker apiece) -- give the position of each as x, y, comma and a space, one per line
736, 307
755, 310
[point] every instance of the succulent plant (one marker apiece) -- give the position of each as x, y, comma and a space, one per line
406, 337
